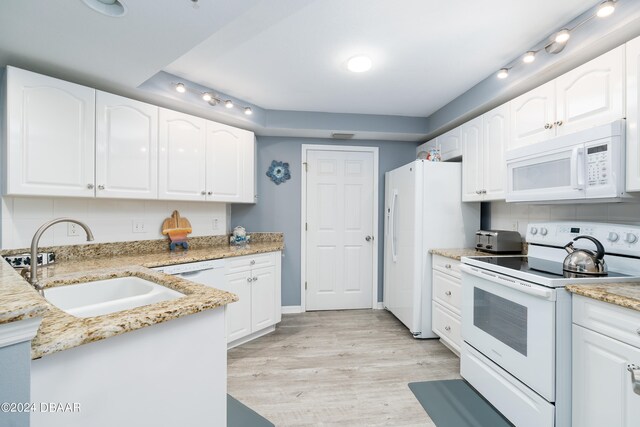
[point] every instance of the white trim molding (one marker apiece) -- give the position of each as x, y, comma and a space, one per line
18, 331
303, 216
380, 306
292, 309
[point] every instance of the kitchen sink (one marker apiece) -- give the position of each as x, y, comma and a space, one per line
108, 296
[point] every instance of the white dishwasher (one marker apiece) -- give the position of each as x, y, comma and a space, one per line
209, 273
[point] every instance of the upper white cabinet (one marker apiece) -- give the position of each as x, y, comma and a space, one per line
230, 174
50, 136
449, 144
633, 115
483, 146
182, 174
587, 96
126, 148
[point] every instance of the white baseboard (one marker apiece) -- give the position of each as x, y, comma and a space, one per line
380, 306
291, 309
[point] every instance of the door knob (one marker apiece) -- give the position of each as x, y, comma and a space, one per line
368, 238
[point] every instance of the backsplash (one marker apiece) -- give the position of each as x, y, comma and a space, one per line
503, 216
110, 220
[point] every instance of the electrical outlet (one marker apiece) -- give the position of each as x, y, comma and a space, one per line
514, 225
73, 229
215, 223
139, 227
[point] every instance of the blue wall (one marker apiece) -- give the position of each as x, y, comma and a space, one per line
15, 381
278, 207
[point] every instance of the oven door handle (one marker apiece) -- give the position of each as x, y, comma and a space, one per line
518, 285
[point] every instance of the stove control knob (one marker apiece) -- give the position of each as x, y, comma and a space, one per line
631, 238
613, 237
534, 231
543, 231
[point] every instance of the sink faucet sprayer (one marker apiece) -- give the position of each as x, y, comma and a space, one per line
31, 273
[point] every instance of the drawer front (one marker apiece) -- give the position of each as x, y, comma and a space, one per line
447, 325
248, 262
446, 265
447, 291
611, 320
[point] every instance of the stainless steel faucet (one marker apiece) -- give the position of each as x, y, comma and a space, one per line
31, 273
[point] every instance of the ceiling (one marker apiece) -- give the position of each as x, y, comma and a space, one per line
286, 54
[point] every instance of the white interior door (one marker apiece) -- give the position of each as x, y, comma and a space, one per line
340, 229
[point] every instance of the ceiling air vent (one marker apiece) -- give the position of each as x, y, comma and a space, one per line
342, 135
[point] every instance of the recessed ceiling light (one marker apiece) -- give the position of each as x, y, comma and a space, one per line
503, 73
207, 96
113, 8
228, 103
562, 36
247, 111
359, 64
529, 57
606, 9
181, 88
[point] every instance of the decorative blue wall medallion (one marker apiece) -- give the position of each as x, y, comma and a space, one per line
278, 172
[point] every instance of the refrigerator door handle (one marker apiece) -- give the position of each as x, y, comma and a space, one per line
394, 253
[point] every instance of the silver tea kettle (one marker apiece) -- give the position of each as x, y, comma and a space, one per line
584, 261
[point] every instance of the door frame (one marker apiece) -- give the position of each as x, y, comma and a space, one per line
303, 215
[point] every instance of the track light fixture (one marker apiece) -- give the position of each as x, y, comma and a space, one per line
558, 41
210, 98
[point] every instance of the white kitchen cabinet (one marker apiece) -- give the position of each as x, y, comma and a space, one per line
446, 303
603, 349
450, 144
587, 96
126, 148
50, 136
592, 94
633, 115
483, 145
532, 115
230, 171
256, 280
427, 146
182, 157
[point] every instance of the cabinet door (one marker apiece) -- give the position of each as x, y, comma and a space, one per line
602, 389
450, 144
633, 115
592, 94
532, 115
126, 148
230, 164
496, 137
238, 313
472, 158
264, 298
51, 136
181, 174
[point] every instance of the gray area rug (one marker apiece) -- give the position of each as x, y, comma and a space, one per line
240, 415
454, 403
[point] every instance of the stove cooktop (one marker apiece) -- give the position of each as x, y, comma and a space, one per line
541, 271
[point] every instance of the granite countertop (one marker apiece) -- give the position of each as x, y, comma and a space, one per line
61, 331
457, 254
622, 294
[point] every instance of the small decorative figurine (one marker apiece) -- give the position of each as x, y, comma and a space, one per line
434, 155
279, 172
239, 236
177, 228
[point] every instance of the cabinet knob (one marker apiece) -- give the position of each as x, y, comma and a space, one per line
249, 279
447, 266
253, 261
447, 328
209, 193
255, 279
558, 123
204, 193
548, 125
448, 293
484, 191
90, 186
100, 187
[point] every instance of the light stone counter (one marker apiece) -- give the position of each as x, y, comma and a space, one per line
622, 294
457, 254
76, 264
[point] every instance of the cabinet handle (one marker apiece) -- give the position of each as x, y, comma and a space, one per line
558, 123
209, 193
90, 186
548, 125
635, 377
638, 331
448, 293
484, 191
447, 266
253, 261
204, 193
249, 279
100, 187
255, 279
447, 328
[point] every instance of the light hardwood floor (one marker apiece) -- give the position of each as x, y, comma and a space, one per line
346, 368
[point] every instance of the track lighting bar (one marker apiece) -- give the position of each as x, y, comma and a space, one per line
210, 98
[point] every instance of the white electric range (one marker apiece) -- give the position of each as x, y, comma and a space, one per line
516, 318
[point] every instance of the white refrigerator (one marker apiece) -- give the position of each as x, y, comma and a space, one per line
423, 211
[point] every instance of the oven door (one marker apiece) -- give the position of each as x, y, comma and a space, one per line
550, 175
511, 322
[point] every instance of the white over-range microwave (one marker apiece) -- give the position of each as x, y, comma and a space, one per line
587, 166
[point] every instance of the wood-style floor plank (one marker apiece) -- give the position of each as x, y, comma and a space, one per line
330, 368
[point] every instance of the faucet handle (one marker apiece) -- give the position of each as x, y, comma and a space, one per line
26, 273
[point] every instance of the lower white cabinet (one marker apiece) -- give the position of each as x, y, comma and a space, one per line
606, 342
447, 290
256, 279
